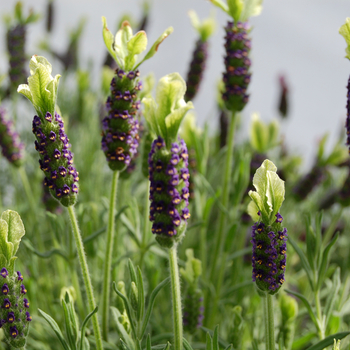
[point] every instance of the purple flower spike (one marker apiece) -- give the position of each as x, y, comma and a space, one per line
4, 273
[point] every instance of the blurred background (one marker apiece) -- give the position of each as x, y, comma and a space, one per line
298, 39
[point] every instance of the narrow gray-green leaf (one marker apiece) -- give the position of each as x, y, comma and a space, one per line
328, 341
83, 327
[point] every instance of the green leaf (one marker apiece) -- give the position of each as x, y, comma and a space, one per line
155, 46
109, 42
252, 210
150, 305
137, 43
269, 194
321, 147
329, 307
205, 28
121, 330
141, 294
70, 321
55, 328
304, 262
15, 228
235, 8
221, 5
150, 111
187, 345
251, 8
18, 12
324, 262
83, 327
209, 343
42, 87
259, 134
216, 338
345, 32
328, 341
5, 246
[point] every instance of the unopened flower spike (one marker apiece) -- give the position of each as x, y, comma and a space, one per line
52, 143
11, 146
168, 160
269, 238
120, 127
199, 57
14, 314
16, 40
345, 32
237, 45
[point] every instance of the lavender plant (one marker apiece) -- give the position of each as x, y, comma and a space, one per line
168, 175
56, 159
14, 315
120, 127
199, 56
269, 239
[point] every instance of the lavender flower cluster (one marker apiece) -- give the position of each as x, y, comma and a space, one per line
237, 63
11, 146
269, 255
120, 127
56, 159
347, 123
16, 37
169, 188
14, 317
193, 313
196, 70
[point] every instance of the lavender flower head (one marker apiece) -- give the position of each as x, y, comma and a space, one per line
200, 54
11, 146
168, 160
120, 139
52, 143
268, 236
193, 311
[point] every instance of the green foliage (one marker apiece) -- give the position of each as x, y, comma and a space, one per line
41, 89
204, 28
344, 30
165, 114
269, 194
125, 47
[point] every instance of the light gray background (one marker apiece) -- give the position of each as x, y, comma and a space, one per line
298, 38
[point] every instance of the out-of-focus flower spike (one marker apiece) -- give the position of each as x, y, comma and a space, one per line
283, 105
199, 57
11, 146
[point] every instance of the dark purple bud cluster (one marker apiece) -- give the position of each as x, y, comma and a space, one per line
120, 127
56, 159
269, 255
11, 146
146, 148
193, 311
195, 73
305, 186
50, 203
193, 170
16, 37
14, 315
347, 123
169, 189
344, 193
237, 63
224, 126
283, 102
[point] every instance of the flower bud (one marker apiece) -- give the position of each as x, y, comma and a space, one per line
193, 311
14, 314
169, 190
56, 159
269, 255
120, 127
11, 146
237, 63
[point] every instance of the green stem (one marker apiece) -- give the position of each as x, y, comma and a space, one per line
146, 225
266, 322
319, 315
86, 276
108, 259
269, 323
220, 235
176, 296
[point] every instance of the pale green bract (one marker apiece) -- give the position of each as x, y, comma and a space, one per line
240, 10
263, 136
205, 28
11, 232
193, 269
345, 32
41, 89
165, 114
125, 47
269, 194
